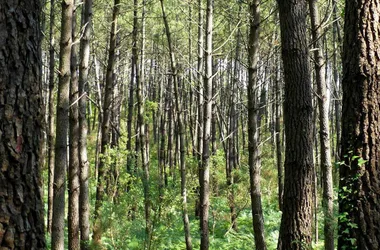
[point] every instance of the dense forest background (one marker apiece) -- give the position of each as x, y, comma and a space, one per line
192, 125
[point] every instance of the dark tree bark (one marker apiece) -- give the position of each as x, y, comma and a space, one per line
106, 125
254, 125
62, 127
84, 199
296, 223
51, 134
73, 173
359, 197
21, 123
200, 70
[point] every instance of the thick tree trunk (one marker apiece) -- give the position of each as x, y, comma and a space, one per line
106, 126
62, 127
254, 126
324, 133
51, 134
21, 123
296, 223
359, 197
84, 199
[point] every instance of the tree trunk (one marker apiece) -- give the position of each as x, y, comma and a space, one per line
324, 133
207, 117
84, 199
51, 134
296, 223
21, 123
73, 173
105, 127
62, 127
181, 131
359, 197
200, 71
254, 126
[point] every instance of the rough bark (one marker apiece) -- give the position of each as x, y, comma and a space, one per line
73, 173
84, 199
21, 126
62, 126
254, 126
296, 223
359, 197
324, 133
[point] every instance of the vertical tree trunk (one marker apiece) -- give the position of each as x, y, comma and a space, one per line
359, 196
324, 133
73, 173
296, 223
254, 125
21, 123
280, 170
200, 71
62, 127
105, 127
51, 134
130, 157
207, 117
181, 131
84, 199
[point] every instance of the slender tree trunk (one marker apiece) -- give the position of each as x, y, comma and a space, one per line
359, 196
51, 134
296, 223
130, 157
181, 131
84, 199
200, 71
254, 126
62, 127
207, 117
324, 133
140, 80
106, 126
73, 173
280, 170
22, 126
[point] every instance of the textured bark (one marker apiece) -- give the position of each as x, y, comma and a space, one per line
105, 126
73, 173
181, 130
254, 126
21, 126
51, 134
84, 199
296, 223
359, 197
62, 127
324, 133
